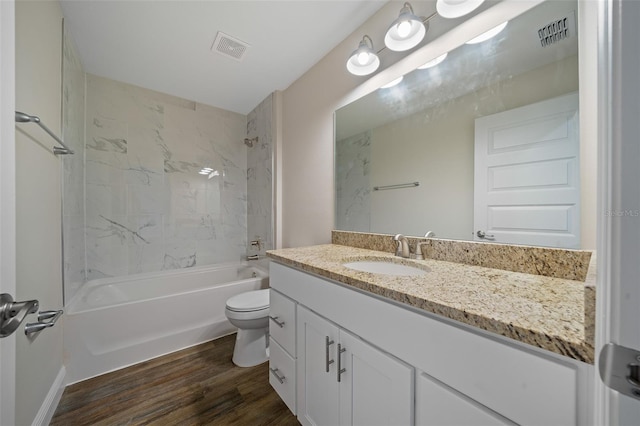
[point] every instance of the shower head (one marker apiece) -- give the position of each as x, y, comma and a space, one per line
249, 142
21, 117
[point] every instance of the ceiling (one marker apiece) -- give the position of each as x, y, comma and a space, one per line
166, 45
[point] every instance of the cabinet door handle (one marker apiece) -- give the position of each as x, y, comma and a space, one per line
341, 370
280, 378
328, 362
275, 319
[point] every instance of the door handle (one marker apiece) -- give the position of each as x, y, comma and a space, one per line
280, 378
328, 362
275, 319
619, 369
12, 313
341, 349
485, 236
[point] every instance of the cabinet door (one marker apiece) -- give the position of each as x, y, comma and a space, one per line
317, 389
439, 405
375, 388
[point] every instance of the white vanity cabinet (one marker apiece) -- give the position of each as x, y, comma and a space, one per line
457, 374
345, 381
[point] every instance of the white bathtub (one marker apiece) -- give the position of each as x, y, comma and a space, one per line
116, 322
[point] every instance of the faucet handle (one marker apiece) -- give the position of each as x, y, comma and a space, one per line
418, 254
257, 243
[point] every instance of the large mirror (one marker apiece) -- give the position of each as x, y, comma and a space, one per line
482, 144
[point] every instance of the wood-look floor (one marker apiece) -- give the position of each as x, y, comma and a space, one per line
195, 386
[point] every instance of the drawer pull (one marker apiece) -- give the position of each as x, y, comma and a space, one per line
328, 361
341, 370
275, 319
274, 371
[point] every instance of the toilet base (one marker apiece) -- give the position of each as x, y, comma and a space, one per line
251, 347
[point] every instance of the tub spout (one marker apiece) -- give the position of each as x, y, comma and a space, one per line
253, 257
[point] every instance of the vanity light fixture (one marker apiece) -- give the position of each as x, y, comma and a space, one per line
456, 8
433, 62
363, 60
392, 83
406, 31
489, 34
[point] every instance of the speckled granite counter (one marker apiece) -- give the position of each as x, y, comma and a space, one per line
542, 311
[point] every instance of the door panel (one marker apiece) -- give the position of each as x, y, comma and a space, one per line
439, 405
619, 218
317, 388
375, 388
527, 178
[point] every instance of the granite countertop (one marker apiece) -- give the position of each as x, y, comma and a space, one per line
541, 311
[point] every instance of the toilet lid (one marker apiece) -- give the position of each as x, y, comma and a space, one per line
249, 301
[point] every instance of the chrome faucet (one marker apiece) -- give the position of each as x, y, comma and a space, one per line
403, 246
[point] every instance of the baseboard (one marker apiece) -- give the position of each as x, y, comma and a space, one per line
50, 403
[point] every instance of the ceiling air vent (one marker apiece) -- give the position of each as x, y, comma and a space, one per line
229, 46
557, 30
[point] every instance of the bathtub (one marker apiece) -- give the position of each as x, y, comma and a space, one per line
116, 322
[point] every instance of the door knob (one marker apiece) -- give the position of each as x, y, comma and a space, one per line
481, 234
12, 313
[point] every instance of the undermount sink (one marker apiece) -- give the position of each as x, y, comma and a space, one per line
384, 266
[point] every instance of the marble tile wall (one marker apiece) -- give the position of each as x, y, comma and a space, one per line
353, 189
259, 177
147, 206
73, 120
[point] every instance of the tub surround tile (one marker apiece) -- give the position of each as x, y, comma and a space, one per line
147, 207
545, 261
138, 158
538, 310
259, 177
353, 187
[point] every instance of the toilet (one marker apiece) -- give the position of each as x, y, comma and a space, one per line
249, 312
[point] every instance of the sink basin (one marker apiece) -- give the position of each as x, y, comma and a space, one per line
385, 267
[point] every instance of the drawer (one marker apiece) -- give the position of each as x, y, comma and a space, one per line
439, 405
282, 374
282, 321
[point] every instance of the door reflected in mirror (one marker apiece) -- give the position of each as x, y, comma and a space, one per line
490, 133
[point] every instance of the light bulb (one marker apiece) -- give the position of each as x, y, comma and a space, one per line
404, 28
363, 58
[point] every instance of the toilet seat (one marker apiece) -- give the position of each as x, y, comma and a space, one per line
251, 301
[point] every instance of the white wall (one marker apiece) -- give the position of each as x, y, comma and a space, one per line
38, 176
307, 132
